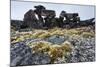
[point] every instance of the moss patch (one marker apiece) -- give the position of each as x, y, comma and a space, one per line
39, 33
54, 50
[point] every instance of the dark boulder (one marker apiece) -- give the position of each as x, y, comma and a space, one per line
16, 24
30, 19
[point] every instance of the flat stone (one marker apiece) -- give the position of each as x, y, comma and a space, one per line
56, 39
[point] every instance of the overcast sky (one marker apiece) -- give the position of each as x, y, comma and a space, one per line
19, 8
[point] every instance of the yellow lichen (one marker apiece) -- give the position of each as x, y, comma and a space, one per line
73, 31
40, 33
54, 50
88, 34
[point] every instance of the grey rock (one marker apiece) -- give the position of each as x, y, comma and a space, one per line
56, 39
21, 55
84, 50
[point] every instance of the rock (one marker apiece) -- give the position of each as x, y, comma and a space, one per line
49, 22
56, 39
43, 18
18, 51
16, 24
30, 19
88, 22
84, 50
21, 55
40, 58
35, 59
15, 60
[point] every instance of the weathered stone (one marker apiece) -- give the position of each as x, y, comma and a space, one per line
16, 24
30, 19
84, 50
87, 22
56, 39
21, 54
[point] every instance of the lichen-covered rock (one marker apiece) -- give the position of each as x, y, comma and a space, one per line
35, 59
22, 55
84, 50
18, 51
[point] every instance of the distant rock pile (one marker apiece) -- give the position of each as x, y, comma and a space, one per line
41, 18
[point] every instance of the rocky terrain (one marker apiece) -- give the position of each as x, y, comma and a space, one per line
51, 40
43, 46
